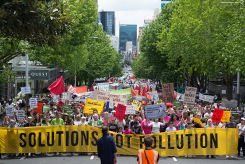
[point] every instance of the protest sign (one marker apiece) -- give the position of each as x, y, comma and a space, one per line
107, 116
118, 99
100, 96
217, 115
155, 111
46, 107
176, 103
21, 114
194, 110
190, 95
9, 110
130, 109
104, 87
137, 104
159, 101
154, 96
39, 108
92, 104
197, 120
199, 141
25, 90
206, 98
168, 93
33, 102
120, 112
226, 116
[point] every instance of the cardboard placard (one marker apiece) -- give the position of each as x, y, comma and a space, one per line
226, 116
217, 115
9, 110
137, 104
25, 90
130, 109
190, 95
120, 112
92, 104
21, 114
33, 102
168, 93
155, 111
39, 108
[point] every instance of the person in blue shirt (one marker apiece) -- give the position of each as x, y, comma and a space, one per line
106, 147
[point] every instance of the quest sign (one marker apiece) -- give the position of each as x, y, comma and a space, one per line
39, 75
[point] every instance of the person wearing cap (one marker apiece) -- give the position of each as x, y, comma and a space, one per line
240, 127
95, 122
29, 122
148, 156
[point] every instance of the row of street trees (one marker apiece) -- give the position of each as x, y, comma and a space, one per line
61, 33
194, 40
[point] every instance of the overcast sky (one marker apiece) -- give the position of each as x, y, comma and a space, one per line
130, 11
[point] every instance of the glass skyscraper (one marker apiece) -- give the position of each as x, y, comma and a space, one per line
107, 19
127, 33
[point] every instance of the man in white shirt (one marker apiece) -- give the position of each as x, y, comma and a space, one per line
78, 120
209, 114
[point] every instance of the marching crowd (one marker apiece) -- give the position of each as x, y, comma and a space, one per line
177, 118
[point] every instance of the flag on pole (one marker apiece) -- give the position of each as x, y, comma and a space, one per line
57, 87
133, 92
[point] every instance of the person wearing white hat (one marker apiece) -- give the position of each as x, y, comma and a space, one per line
84, 122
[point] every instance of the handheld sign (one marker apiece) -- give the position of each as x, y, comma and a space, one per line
46, 107
107, 116
168, 93
137, 105
155, 111
26, 90
120, 111
39, 108
92, 104
130, 109
190, 95
217, 115
21, 114
9, 110
226, 116
197, 120
33, 102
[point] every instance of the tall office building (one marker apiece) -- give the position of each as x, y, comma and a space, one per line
127, 33
164, 2
107, 18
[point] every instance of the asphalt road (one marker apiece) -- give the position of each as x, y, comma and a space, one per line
93, 159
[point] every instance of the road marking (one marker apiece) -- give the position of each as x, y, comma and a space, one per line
175, 160
22, 158
92, 157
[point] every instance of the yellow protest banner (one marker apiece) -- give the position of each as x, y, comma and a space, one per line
197, 120
226, 116
200, 141
137, 105
92, 104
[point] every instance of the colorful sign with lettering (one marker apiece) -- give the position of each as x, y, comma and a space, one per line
137, 105
155, 111
92, 104
120, 112
226, 116
190, 95
217, 115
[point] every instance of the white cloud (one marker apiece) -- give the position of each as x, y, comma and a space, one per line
130, 11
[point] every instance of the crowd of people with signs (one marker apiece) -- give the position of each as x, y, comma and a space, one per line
121, 113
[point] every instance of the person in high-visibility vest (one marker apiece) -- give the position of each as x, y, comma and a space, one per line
148, 156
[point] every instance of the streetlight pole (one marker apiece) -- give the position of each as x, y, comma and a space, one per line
27, 71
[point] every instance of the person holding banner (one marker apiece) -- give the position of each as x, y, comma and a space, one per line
156, 126
95, 122
148, 156
146, 126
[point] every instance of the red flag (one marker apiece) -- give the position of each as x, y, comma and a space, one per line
175, 95
115, 87
60, 103
133, 92
136, 88
92, 88
57, 87
139, 88
144, 93
148, 88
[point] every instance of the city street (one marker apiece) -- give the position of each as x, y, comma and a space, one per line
67, 158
